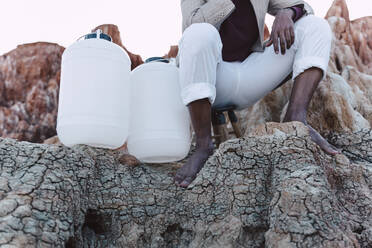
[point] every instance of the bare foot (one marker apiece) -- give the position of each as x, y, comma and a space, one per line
315, 136
323, 143
187, 173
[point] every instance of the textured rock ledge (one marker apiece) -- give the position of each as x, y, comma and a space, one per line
273, 189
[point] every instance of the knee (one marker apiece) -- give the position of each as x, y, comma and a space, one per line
316, 28
199, 37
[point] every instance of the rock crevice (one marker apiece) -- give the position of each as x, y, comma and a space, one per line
273, 189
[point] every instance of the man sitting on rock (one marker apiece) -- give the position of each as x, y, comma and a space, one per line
224, 61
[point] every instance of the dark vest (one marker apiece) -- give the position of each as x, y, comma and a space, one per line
239, 32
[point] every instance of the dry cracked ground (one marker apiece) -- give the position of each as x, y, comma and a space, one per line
275, 188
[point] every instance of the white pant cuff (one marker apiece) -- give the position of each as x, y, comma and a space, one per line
197, 91
305, 63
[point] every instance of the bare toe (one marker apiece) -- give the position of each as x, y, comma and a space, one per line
329, 149
185, 183
178, 178
187, 173
323, 143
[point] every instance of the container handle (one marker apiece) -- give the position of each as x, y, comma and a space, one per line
156, 59
98, 35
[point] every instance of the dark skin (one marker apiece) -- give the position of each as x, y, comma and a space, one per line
303, 89
282, 29
200, 113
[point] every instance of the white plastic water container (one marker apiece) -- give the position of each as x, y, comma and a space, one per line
160, 123
94, 97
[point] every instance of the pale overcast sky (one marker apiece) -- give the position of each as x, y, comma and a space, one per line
148, 27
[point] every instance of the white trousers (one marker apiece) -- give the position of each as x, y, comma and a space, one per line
203, 73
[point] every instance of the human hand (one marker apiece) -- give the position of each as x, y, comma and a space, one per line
283, 28
172, 52
135, 59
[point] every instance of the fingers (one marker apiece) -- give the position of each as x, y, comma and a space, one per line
291, 31
282, 32
275, 42
269, 43
289, 35
288, 39
282, 42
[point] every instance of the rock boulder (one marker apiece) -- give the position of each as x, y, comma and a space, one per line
29, 85
275, 188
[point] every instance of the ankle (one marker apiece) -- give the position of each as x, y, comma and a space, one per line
205, 144
295, 116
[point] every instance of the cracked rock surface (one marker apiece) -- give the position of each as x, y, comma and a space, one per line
274, 188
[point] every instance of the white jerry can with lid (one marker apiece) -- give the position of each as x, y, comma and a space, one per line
160, 123
94, 97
